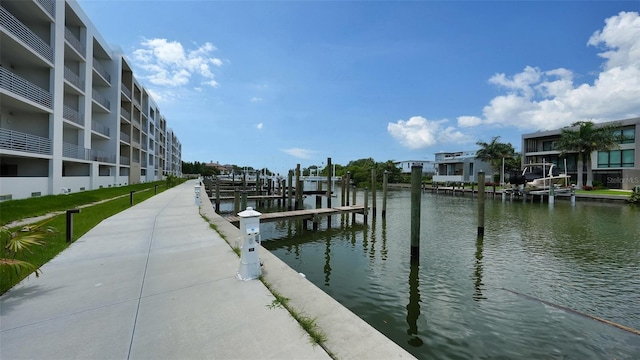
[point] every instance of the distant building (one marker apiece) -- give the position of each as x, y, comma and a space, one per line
428, 167
460, 166
73, 116
223, 169
615, 169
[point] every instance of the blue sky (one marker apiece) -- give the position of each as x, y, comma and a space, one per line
276, 83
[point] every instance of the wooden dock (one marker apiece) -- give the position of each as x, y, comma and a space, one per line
307, 215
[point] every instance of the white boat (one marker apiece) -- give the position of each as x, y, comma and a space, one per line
540, 176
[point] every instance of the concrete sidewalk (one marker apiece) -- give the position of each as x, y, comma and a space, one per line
153, 282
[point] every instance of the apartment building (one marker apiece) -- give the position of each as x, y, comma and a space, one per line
73, 116
615, 169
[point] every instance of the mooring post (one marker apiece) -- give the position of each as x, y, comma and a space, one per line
573, 196
298, 189
217, 196
366, 204
243, 204
348, 187
131, 197
70, 223
290, 190
552, 195
318, 196
329, 190
416, 198
236, 200
373, 192
342, 190
481, 203
385, 180
353, 215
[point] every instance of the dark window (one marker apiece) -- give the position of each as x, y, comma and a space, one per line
616, 158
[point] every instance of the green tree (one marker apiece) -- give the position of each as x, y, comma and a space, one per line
583, 137
494, 151
16, 243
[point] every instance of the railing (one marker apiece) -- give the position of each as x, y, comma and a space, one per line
72, 115
49, 6
74, 151
102, 156
99, 128
125, 137
100, 69
143, 163
19, 141
101, 99
125, 114
17, 28
126, 91
74, 42
24, 88
124, 160
73, 78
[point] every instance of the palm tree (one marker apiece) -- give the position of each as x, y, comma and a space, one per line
494, 151
586, 139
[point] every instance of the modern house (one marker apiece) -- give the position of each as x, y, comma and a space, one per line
460, 166
73, 116
615, 169
428, 167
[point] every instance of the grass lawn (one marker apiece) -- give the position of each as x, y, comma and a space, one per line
82, 222
605, 192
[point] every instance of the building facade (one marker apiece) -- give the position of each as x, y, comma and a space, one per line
73, 116
615, 169
460, 166
428, 166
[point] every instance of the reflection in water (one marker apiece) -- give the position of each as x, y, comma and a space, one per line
413, 308
477, 276
372, 251
384, 250
327, 260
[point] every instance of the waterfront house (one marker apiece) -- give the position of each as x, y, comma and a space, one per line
428, 166
459, 166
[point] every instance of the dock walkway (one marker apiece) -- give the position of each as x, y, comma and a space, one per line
307, 214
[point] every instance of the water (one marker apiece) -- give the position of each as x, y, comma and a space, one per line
461, 301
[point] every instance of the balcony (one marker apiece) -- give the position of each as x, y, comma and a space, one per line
49, 6
125, 137
74, 151
124, 160
74, 42
24, 88
73, 115
73, 78
100, 99
97, 66
102, 156
100, 129
19, 141
126, 91
125, 114
22, 32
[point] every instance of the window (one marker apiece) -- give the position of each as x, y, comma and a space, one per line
616, 158
549, 145
628, 135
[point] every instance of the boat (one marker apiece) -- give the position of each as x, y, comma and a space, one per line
539, 176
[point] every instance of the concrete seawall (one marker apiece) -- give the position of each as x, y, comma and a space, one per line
348, 336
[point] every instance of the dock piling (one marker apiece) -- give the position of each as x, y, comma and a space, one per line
481, 203
416, 195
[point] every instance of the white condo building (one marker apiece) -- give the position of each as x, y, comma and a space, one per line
73, 117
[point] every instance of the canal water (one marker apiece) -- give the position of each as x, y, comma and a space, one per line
517, 293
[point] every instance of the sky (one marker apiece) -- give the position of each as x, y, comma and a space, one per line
278, 83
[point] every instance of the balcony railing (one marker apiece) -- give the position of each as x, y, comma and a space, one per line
17, 28
99, 128
24, 88
125, 114
126, 91
49, 6
73, 115
74, 42
102, 156
74, 151
101, 99
98, 67
124, 160
73, 78
125, 137
19, 141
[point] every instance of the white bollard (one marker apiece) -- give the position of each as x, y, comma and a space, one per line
250, 231
196, 189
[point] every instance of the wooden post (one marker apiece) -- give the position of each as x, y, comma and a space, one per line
290, 191
416, 195
236, 200
481, 203
385, 179
353, 215
329, 190
318, 196
218, 196
298, 189
348, 187
366, 204
300, 195
373, 192
258, 187
243, 206
342, 190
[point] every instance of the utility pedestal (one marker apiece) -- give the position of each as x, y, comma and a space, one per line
196, 190
250, 231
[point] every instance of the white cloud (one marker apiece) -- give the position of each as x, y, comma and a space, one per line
168, 63
418, 132
259, 126
255, 99
299, 153
538, 99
